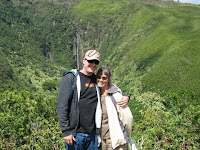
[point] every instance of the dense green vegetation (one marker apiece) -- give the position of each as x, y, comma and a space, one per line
28, 121
151, 46
33, 45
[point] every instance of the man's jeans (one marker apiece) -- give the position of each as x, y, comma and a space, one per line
84, 142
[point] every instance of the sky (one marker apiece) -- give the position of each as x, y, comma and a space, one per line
189, 1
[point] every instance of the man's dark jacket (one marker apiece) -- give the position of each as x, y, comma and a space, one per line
67, 105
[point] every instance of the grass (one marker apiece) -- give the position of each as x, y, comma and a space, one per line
88, 7
178, 67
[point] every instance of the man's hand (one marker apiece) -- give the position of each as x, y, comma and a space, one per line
69, 139
123, 102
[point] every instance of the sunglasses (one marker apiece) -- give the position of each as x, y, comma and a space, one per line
93, 61
103, 78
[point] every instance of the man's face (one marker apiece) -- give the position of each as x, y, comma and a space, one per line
90, 65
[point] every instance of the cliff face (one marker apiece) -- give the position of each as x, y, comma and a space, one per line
36, 36
156, 41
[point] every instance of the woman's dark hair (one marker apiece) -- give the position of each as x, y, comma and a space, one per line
107, 72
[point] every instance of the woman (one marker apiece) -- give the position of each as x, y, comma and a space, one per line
116, 128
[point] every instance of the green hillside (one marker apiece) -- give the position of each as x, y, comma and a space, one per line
159, 41
151, 46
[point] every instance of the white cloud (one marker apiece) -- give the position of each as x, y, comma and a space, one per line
189, 1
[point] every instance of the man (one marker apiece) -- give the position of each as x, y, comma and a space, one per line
78, 105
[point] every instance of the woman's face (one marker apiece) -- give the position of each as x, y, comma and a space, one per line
102, 81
